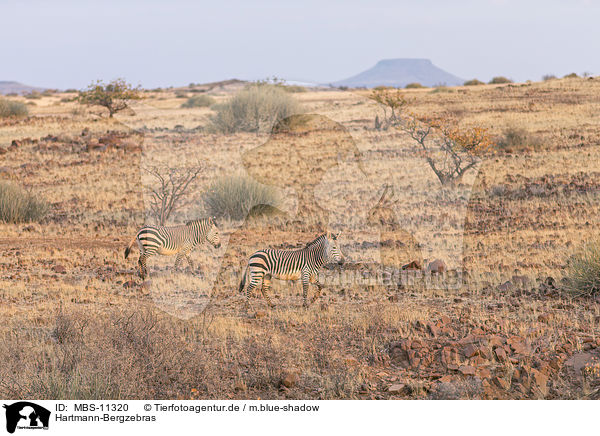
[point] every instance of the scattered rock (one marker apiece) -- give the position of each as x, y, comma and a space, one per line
414, 265
467, 370
501, 382
437, 267
290, 378
260, 314
129, 284
396, 388
59, 269
500, 354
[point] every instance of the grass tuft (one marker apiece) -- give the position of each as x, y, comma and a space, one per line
235, 196
18, 205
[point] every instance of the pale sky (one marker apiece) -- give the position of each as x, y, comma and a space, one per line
68, 44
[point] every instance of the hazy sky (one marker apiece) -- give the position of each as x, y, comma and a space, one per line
67, 44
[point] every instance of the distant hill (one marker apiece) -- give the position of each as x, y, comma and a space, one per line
7, 87
401, 72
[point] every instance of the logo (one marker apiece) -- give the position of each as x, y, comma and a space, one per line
26, 415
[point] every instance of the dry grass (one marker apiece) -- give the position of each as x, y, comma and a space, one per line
79, 324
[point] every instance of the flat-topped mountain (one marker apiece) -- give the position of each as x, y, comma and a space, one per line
10, 87
401, 72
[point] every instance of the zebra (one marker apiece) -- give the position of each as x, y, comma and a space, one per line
179, 240
300, 263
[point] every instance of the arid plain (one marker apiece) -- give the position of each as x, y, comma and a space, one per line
77, 321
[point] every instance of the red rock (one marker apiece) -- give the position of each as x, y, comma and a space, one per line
471, 350
414, 265
484, 373
129, 284
350, 361
289, 378
500, 354
3, 150
437, 267
467, 370
506, 287
501, 382
260, 314
59, 269
396, 388
540, 381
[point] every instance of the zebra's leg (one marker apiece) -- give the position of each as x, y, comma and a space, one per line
319, 288
189, 261
253, 280
178, 260
266, 286
143, 266
305, 280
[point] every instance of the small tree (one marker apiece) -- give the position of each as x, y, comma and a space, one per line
459, 147
392, 101
170, 189
113, 96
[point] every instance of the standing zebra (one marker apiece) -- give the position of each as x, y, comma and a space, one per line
179, 240
300, 263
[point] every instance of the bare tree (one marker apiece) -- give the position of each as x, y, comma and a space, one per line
170, 189
393, 102
459, 148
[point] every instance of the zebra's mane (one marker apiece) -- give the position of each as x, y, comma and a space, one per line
187, 223
316, 240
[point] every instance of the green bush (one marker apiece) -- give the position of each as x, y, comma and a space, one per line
473, 82
18, 205
254, 109
199, 101
12, 109
499, 80
235, 196
438, 89
571, 76
583, 271
517, 139
414, 85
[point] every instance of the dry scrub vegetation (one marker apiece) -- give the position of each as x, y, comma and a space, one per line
78, 323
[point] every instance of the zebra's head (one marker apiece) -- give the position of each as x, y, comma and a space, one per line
333, 248
212, 235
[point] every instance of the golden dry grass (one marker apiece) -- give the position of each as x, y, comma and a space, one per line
78, 323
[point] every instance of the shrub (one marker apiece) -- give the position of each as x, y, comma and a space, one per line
442, 89
583, 271
517, 138
414, 85
254, 109
235, 196
33, 95
12, 109
473, 82
199, 101
499, 80
547, 77
571, 76
114, 96
18, 205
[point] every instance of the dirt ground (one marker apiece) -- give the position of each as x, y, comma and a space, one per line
77, 321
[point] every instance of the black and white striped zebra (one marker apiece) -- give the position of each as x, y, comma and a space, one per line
300, 263
178, 240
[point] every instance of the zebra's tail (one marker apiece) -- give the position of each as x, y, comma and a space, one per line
243, 281
128, 249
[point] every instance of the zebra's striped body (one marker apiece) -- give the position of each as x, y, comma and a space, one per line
301, 263
178, 240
